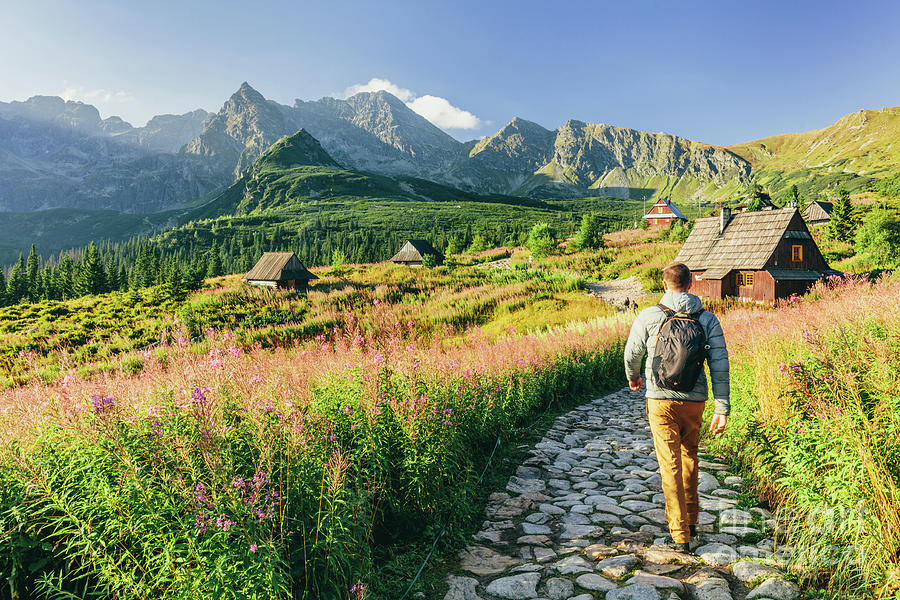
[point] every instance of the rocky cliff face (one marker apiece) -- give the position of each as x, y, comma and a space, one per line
377, 132
582, 158
370, 131
55, 153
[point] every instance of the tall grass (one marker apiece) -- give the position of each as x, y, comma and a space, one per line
816, 422
51, 340
242, 472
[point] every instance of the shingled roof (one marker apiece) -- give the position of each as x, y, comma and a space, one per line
818, 211
279, 266
748, 242
414, 250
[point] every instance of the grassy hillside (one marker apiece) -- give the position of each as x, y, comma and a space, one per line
318, 209
864, 142
860, 147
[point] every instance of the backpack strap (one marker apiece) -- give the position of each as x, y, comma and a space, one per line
671, 313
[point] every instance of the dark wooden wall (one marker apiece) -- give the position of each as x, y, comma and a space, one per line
812, 257
784, 289
763, 289
707, 288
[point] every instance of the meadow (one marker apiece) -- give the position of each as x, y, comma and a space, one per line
265, 473
50, 340
815, 425
250, 444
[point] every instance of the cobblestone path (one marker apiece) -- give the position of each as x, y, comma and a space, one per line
583, 518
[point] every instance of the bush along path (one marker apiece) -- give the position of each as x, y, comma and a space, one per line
583, 518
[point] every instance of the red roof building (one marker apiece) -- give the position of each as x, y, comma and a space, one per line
663, 213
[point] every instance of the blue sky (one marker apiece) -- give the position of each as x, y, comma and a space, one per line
720, 72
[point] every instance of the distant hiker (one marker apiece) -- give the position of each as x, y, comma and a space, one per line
680, 336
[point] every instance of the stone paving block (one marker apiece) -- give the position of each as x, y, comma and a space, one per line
617, 566
634, 592
595, 583
589, 491
749, 571
775, 589
515, 587
461, 588
484, 561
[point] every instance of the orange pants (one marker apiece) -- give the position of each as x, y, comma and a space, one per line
675, 425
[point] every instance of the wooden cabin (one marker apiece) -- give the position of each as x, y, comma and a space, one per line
760, 256
663, 213
817, 212
413, 252
281, 270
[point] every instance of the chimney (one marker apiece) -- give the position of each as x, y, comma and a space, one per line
724, 219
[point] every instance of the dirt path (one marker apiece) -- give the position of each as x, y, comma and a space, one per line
583, 518
617, 291
502, 264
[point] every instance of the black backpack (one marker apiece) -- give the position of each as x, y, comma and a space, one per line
680, 351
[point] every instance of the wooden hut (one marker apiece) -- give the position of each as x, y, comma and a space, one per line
282, 270
663, 213
414, 251
757, 256
817, 212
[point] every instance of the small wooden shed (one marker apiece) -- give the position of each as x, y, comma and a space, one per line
414, 251
663, 213
282, 270
759, 256
817, 212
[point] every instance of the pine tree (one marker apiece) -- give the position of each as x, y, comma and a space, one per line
112, 276
91, 278
174, 284
33, 276
65, 278
214, 261
795, 195
17, 287
2, 288
590, 236
541, 240
841, 225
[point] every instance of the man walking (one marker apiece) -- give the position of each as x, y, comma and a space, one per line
679, 335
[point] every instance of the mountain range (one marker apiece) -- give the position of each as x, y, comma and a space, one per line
57, 154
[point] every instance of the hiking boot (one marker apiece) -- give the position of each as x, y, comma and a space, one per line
680, 547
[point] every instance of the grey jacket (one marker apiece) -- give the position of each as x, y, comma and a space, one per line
643, 338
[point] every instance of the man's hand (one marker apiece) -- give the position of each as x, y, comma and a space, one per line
717, 425
636, 385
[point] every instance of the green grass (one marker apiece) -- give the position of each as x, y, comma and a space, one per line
814, 428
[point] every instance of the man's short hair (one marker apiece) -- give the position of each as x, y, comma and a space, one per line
678, 275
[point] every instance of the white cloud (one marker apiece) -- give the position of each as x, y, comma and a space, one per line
96, 96
375, 84
443, 114
434, 108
